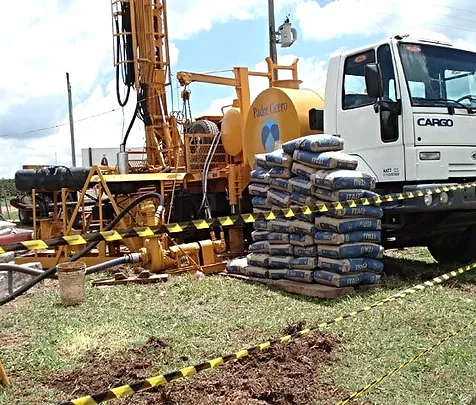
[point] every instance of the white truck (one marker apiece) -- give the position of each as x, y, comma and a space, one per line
406, 109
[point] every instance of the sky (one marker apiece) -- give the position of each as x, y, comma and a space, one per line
43, 41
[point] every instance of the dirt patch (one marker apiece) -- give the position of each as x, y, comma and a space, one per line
286, 374
12, 338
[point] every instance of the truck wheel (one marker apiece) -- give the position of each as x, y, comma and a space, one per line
445, 251
455, 248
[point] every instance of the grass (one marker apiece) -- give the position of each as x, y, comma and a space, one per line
9, 213
201, 319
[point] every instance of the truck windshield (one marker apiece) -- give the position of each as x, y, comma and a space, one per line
439, 76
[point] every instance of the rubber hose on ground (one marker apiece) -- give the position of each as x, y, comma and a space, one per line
85, 250
23, 269
130, 258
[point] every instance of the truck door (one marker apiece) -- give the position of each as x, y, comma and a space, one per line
373, 133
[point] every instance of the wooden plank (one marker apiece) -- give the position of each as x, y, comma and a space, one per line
136, 280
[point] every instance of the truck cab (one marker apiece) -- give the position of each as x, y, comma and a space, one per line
406, 108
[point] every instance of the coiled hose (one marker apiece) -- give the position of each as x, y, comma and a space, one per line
85, 250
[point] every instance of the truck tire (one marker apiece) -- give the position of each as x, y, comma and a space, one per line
455, 248
203, 127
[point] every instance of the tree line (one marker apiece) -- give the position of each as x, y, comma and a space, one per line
7, 188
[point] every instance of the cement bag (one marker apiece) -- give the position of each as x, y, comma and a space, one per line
259, 247
315, 143
260, 225
277, 274
279, 198
278, 158
297, 239
301, 185
336, 280
343, 195
346, 225
303, 227
302, 199
351, 250
255, 271
237, 266
259, 161
367, 211
261, 202
303, 276
257, 236
280, 172
369, 278
279, 225
306, 217
304, 263
258, 189
350, 265
331, 238
259, 176
279, 262
305, 251
281, 250
277, 238
259, 210
326, 160
279, 184
258, 259
343, 179
302, 170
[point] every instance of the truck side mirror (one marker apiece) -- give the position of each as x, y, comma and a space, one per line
373, 80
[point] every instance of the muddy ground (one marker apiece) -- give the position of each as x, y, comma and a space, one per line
287, 374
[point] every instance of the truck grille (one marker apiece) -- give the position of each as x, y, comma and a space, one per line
462, 170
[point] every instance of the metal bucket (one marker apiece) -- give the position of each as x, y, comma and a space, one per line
71, 279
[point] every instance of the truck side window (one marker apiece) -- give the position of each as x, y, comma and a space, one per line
355, 93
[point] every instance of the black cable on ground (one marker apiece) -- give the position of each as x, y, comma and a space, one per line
85, 250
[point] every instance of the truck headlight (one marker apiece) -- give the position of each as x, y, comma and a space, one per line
428, 199
430, 155
444, 198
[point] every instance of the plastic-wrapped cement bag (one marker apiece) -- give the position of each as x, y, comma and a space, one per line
259, 176
303, 227
336, 280
277, 274
305, 216
277, 238
261, 202
280, 172
237, 266
259, 247
303, 276
369, 278
331, 238
260, 162
304, 263
368, 211
305, 251
259, 210
314, 143
281, 250
279, 225
301, 185
351, 250
350, 265
279, 158
297, 239
302, 170
346, 225
302, 199
258, 236
326, 160
258, 189
279, 262
279, 184
343, 179
343, 195
255, 271
258, 259
279, 198
261, 224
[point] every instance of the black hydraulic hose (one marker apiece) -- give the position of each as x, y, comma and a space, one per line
129, 128
85, 250
106, 265
23, 269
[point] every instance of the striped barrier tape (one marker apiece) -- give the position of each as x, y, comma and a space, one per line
110, 236
149, 383
412, 360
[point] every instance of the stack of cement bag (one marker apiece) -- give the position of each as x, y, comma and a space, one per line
338, 247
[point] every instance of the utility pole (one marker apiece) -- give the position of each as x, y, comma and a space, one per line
71, 122
273, 53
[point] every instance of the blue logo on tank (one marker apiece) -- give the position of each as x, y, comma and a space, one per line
269, 134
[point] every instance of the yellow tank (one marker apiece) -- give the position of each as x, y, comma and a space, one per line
276, 116
232, 131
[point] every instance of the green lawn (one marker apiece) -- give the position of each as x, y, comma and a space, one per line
201, 319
